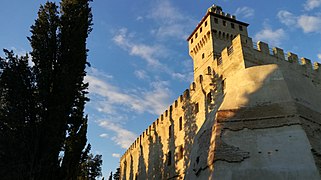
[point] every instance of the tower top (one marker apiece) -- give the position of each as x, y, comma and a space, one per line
217, 11
215, 8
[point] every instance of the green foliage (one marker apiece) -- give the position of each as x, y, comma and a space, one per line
117, 174
42, 123
90, 167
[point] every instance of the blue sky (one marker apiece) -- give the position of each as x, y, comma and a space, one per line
139, 56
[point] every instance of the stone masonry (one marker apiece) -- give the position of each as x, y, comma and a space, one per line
251, 113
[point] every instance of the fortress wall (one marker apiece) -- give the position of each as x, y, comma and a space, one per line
139, 153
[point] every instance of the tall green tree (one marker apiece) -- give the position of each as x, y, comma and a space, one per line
42, 107
117, 174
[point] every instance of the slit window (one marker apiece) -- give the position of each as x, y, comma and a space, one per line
205, 23
200, 29
191, 40
203, 56
232, 25
224, 23
169, 158
180, 123
241, 28
195, 35
180, 152
216, 20
196, 108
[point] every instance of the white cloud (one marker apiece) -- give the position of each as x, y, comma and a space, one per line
244, 12
311, 4
319, 56
146, 52
273, 37
310, 23
171, 23
123, 137
152, 100
116, 155
104, 135
141, 74
287, 18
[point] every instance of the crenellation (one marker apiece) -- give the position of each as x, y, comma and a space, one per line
305, 61
278, 53
263, 47
316, 66
293, 58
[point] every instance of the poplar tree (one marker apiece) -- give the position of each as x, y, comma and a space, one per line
42, 122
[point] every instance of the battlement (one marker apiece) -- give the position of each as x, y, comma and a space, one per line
263, 54
175, 108
242, 53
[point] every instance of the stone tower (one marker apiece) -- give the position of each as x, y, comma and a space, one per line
251, 112
203, 46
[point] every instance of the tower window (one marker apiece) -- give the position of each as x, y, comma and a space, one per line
224, 23
169, 158
241, 28
196, 108
195, 35
200, 29
232, 25
205, 23
180, 152
180, 123
203, 56
216, 20
191, 40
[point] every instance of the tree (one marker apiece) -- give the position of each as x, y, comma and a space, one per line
42, 107
117, 174
110, 176
90, 167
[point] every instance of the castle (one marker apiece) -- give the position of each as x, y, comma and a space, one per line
251, 113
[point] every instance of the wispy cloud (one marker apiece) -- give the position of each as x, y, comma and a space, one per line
123, 137
104, 135
287, 18
319, 56
244, 12
141, 74
310, 23
273, 37
171, 23
146, 52
312, 4
152, 100
116, 155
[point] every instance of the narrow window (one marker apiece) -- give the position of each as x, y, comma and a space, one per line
203, 56
195, 35
209, 70
232, 26
205, 23
196, 108
209, 98
224, 23
170, 131
191, 40
180, 123
169, 158
241, 28
200, 29
180, 152
216, 20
